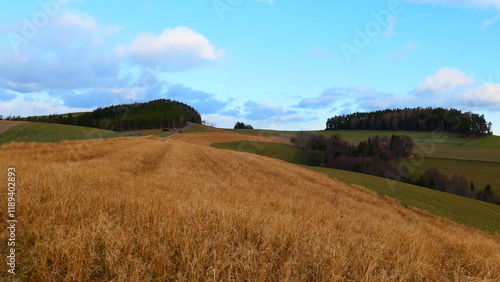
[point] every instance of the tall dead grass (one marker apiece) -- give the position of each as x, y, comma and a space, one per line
156, 209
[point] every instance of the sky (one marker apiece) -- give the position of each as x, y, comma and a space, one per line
274, 64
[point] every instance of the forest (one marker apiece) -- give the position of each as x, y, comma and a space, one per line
375, 156
466, 124
159, 113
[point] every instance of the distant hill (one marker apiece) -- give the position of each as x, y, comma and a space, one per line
19, 131
159, 113
466, 124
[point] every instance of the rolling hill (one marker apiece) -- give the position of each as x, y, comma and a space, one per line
49, 132
163, 209
475, 159
473, 213
156, 114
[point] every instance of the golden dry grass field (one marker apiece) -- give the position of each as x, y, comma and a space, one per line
142, 209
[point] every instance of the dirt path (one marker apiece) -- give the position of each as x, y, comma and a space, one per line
7, 124
188, 125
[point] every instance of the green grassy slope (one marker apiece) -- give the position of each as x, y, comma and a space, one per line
444, 151
49, 132
481, 172
488, 141
274, 150
195, 127
473, 213
426, 143
255, 132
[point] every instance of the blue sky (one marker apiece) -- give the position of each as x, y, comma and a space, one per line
277, 64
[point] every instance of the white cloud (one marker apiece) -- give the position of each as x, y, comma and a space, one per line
69, 52
30, 107
460, 3
256, 111
81, 21
486, 95
389, 31
174, 49
326, 99
72, 60
446, 79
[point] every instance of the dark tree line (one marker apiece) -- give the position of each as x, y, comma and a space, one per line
434, 179
126, 117
374, 156
381, 156
467, 124
241, 125
10, 117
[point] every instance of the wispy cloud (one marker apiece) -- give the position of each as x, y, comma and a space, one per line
448, 87
389, 31
486, 23
318, 52
403, 52
204, 102
325, 100
50, 55
257, 111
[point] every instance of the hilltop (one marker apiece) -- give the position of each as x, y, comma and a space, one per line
467, 124
161, 113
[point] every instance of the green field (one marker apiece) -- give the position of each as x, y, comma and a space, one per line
481, 172
433, 144
477, 160
274, 150
488, 141
473, 213
50, 132
195, 127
